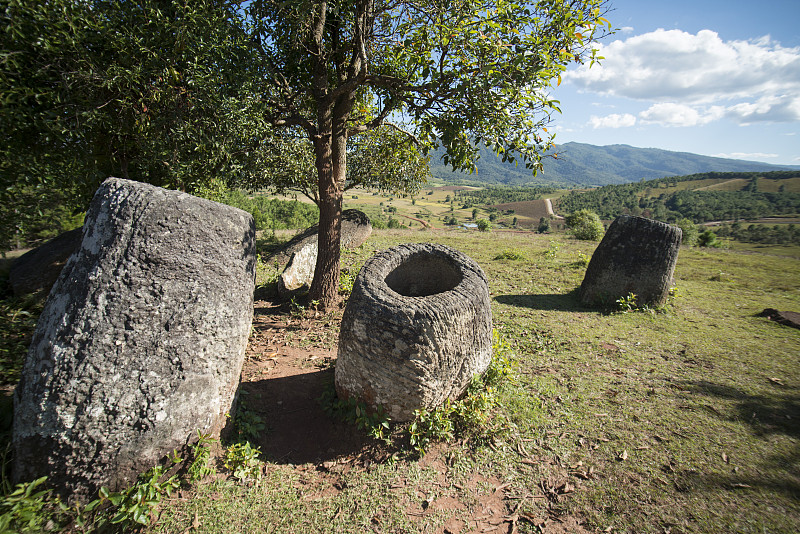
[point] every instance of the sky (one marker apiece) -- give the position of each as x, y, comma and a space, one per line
711, 77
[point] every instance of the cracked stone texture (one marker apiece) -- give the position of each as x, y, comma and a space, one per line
141, 341
417, 327
637, 255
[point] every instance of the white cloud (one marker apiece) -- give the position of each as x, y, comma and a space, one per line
615, 120
751, 80
746, 155
671, 114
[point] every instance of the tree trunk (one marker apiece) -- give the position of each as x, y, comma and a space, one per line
331, 162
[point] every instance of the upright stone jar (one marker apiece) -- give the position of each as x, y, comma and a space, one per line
417, 327
638, 256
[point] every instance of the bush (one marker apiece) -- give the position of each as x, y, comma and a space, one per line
585, 225
690, 232
708, 239
484, 225
544, 225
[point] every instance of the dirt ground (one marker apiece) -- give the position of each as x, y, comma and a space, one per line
290, 362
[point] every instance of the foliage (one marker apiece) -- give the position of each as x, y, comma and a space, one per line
544, 225
627, 303
201, 465
242, 460
271, 213
151, 91
18, 318
510, 254
585, 225
486, 196
247, 424
708, 239
353, 411
136, 504
672, 198
761, 233
26, 509
484, 225
552, 250
689, 230
461, 74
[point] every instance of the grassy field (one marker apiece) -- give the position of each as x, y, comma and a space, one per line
680, 420
684, 419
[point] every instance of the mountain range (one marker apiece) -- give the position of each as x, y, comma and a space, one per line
584, 165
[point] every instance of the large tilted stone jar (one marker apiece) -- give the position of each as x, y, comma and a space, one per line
637, 255
141, 342
417, 327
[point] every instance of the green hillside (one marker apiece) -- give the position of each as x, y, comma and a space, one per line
583, 165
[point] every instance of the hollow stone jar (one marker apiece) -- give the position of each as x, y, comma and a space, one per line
417, 327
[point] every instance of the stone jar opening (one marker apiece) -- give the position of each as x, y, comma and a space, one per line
423, 275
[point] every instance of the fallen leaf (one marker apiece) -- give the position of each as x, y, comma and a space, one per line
196, 522
725, 458
623, 456
776, 381
741, 486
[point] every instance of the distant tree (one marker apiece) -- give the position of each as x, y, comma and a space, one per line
690, 232
585, 225
484, 225
708, 239
544, 225
474, 214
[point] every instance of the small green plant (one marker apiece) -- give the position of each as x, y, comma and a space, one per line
346, 281
428, 426
551, 251
242, 460
375, 424
201, 458
248, 424
136, 504
627, 303
582, 261
508, 254
296, 308
26, 509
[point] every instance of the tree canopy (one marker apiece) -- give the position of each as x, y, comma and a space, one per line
454, 74
151, 91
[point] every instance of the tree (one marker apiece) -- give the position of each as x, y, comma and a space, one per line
690, 232
544, 225
585, 225
484, 225
155, 91
452, 74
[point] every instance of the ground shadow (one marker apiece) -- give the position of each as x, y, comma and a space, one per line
298, 429
550, 302
767, 415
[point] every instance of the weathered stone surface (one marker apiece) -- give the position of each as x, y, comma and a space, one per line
141, 341
636, 255
417, 327
356, 228
299, 273
38, 269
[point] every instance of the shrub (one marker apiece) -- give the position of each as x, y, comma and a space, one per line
484, 225
585, 225
690, 232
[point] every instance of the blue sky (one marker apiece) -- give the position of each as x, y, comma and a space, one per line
711, 77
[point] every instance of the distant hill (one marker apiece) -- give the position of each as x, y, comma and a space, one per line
583, 165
